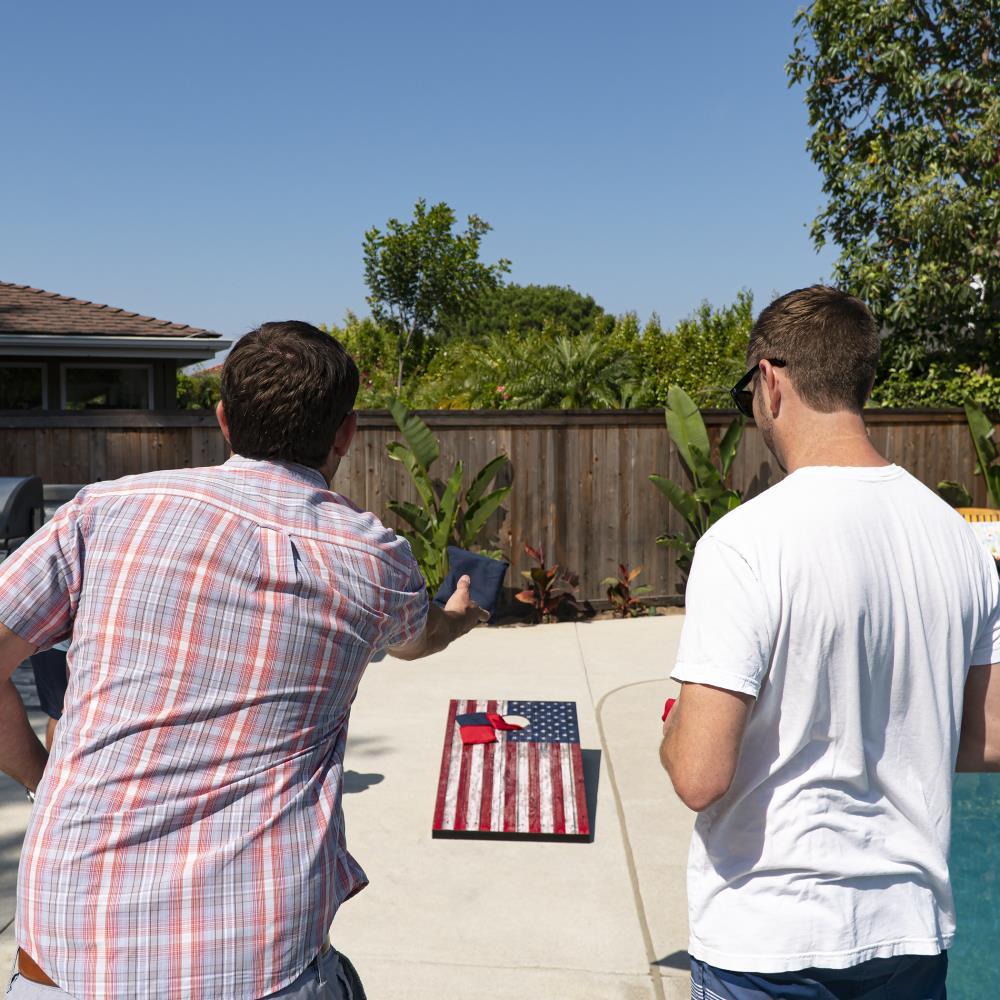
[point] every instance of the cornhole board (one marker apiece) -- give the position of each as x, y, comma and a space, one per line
530, 783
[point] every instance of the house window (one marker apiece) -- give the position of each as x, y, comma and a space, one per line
22, 386
107, 387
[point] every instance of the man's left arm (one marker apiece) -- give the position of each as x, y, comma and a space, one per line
22, 755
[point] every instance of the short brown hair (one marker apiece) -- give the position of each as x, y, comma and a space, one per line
829, 341
286, 388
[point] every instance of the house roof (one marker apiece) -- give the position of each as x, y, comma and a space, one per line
28, 310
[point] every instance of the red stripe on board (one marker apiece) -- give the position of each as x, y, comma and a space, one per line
555, 770
462, 798
510, 789
534, 792
489, 755
580, 790
449, 738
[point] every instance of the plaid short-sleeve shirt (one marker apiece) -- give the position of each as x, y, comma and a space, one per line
188, 840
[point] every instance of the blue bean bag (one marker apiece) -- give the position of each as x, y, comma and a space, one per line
487, 576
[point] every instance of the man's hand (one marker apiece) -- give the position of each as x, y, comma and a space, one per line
463, 611
460, 615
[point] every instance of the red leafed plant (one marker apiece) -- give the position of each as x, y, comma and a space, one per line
551, 588
623, 596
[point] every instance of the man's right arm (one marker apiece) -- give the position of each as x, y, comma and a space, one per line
979, 743
460, 615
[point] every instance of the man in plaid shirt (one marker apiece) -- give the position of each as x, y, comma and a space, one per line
188, 839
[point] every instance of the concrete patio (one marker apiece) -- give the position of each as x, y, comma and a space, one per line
473, 919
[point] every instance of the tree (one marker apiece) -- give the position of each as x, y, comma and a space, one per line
199, 390
422, 276
904, 104
375, 352
528, 307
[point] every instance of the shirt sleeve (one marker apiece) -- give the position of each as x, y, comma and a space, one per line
727, 635
987, 648
40, 582
406, 600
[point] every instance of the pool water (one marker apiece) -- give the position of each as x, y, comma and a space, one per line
974, 960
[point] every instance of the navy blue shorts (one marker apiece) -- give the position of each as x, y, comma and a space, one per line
907, 977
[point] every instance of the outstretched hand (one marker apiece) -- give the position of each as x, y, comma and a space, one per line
462, 611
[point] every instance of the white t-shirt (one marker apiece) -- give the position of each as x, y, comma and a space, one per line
851, 602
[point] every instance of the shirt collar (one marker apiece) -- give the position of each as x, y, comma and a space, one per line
290, 470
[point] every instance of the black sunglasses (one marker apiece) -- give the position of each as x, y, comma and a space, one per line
742, 396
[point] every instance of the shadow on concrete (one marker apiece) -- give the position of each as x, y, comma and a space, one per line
355, 781
675, 960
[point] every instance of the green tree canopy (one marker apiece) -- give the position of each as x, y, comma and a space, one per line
904, 105
422, 276
528, 308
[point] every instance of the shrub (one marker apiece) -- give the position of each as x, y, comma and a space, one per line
711, 498
550, 589
623, 596
446, 517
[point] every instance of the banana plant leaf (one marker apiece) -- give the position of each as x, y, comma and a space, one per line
478, 513
418, 435
448, 511
415, 516
981, 429
686, 426
729, 443
421, 480
676, 541
483, 478
682, 501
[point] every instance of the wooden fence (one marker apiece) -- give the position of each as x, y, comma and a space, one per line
580, 479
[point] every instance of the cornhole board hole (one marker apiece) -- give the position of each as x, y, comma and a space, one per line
528, 783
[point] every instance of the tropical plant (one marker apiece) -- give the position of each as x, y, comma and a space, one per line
624, 597
446, 516
984, 441
710, 498
575, 373
422, 277
904, 104
550, 589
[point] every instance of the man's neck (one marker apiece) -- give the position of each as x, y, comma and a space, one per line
831, 439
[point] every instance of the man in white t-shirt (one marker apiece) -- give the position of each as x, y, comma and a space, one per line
839, 659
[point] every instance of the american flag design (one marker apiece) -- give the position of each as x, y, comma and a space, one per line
529, 782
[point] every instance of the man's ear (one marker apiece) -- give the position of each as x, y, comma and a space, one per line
220, 415
345, 434
771, 387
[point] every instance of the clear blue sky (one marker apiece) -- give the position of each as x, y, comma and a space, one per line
217, 163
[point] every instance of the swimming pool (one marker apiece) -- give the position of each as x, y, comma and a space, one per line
974, 969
